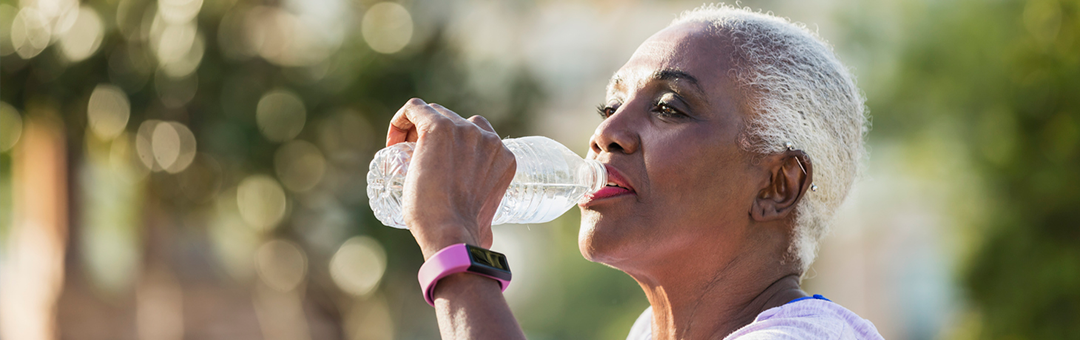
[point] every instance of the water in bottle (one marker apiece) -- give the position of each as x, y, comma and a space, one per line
550, 179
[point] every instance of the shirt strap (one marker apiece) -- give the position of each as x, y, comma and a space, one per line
815, 296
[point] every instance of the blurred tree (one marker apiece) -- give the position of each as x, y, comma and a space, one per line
237, 54
1006, 76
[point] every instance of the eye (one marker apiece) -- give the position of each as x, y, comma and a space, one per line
667, 111
667, 105
606, 110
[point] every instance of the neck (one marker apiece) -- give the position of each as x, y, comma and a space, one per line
689, 305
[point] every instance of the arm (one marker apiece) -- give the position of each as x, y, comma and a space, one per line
463, 170
472, 307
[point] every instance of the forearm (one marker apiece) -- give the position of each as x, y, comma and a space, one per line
472, 307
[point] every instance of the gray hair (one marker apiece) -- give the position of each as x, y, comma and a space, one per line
799, 93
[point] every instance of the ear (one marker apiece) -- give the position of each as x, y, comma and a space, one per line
791, 174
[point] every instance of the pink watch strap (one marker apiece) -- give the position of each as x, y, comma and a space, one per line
449, 260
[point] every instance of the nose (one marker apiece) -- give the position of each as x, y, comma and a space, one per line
616, 134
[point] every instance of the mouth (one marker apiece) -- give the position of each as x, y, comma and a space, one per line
616, 186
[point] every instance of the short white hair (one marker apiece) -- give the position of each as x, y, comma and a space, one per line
798, 92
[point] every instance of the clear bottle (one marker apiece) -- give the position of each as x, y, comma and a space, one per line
550, 179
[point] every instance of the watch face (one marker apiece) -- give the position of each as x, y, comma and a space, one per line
488, 258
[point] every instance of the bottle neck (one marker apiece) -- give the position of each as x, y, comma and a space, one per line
595, 175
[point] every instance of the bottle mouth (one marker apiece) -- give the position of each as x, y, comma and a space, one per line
596, 175
385, 183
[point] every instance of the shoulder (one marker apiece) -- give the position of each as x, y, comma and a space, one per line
808, 319
642, 328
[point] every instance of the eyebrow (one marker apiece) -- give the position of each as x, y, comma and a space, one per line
665, 74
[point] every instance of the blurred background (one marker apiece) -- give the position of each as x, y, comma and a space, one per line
190, 169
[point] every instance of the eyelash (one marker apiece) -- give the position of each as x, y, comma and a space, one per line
661, 109
605, 110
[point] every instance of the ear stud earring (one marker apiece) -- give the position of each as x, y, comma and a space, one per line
789, 146
813, 187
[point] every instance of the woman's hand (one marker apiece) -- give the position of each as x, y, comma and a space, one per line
458, 174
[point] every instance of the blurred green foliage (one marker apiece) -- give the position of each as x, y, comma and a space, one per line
222, 113
1006, 76
1002, 75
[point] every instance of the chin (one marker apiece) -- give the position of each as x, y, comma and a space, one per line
603, 241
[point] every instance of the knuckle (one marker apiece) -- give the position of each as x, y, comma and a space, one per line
511, 161
491, 138
438, 124
415, 102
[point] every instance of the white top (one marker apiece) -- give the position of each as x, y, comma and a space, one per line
803, 319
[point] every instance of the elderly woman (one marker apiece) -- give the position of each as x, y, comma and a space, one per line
730, 139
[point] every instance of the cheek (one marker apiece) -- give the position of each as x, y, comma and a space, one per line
699, 179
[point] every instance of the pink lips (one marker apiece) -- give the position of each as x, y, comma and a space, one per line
616, 186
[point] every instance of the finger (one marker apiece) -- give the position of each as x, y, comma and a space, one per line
482, 123
407, 123
446, 112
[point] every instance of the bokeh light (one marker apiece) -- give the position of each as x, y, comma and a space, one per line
61, 14
43, 22
387, 27
165, 143
173, 145
300, 165
280, 115
281, 264
179, 11
186, 150
84, 37
178, 46
299, 33
30, 33
10, 126
108, 111
231, 35
144, 145
130, 17
168, 146
346, 136
7, 16
171, 40
358, 265
1042, 19
233, 240
261, 201
270, 31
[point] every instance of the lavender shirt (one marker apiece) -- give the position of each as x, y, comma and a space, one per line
803, 319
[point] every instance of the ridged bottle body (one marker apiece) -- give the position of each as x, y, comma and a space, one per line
550, 179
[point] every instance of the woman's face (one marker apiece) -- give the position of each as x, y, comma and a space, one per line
672, 122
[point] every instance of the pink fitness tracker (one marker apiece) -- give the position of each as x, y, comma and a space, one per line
462, 258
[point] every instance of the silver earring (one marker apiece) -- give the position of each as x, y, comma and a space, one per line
789, 146
813, 187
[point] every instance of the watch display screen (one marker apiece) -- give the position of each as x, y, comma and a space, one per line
488, 258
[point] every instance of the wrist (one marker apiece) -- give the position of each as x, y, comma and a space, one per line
435, 236
462, 286
461, 258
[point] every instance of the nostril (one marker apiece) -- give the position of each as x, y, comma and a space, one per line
614, 147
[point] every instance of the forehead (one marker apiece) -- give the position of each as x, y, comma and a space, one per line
687, 48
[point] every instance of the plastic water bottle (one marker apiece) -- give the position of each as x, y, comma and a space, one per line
550, 179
